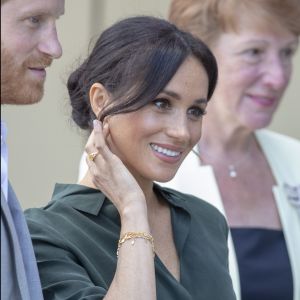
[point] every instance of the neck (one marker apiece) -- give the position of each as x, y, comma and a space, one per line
226, 146
152, 200
226, 139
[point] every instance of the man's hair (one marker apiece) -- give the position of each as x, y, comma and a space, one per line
134, 60
207, 19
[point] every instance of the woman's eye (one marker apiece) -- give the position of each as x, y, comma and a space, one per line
254, 52
196, 112
253, 55
288, 52
34, 20
162, 103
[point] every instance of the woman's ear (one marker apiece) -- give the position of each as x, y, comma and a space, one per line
99, 96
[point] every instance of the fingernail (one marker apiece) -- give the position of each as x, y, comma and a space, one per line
97, 126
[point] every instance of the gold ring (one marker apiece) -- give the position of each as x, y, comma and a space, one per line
92, 155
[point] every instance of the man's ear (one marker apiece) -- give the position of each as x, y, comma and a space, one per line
99, 96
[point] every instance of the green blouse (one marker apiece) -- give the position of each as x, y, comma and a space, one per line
75, 240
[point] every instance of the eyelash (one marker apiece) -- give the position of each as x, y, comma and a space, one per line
254, 51
165, 102
200, 112
167, 106
34, 20
288, 52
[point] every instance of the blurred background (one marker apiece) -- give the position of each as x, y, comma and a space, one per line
44, 145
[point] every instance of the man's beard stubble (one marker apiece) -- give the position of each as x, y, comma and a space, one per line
16, 86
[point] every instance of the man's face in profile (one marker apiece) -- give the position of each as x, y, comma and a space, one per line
29, 43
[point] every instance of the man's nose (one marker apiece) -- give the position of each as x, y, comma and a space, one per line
50, 44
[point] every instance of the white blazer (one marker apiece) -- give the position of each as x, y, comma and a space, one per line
283, 155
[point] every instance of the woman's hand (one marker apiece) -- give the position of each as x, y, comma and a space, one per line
110, 175
135, 272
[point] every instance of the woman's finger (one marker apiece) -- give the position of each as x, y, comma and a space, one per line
100, 135
89, 146
99, 141
105, 131
96, 140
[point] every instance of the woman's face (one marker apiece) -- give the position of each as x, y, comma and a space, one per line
255, 66
153, 141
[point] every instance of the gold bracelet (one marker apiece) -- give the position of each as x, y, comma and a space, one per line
134, 235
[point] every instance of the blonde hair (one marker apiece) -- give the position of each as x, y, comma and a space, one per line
207, 19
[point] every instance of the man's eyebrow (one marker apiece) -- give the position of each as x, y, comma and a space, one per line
40, 11
177, 96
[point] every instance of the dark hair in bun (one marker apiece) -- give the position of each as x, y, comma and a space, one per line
134, 60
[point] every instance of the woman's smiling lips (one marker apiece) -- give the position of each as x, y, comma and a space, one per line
264, 101
167, 153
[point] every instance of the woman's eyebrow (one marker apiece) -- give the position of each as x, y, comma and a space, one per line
178, 97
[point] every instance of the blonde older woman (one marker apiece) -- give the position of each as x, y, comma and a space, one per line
251, 175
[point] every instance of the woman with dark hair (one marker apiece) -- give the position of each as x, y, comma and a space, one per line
117, 234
